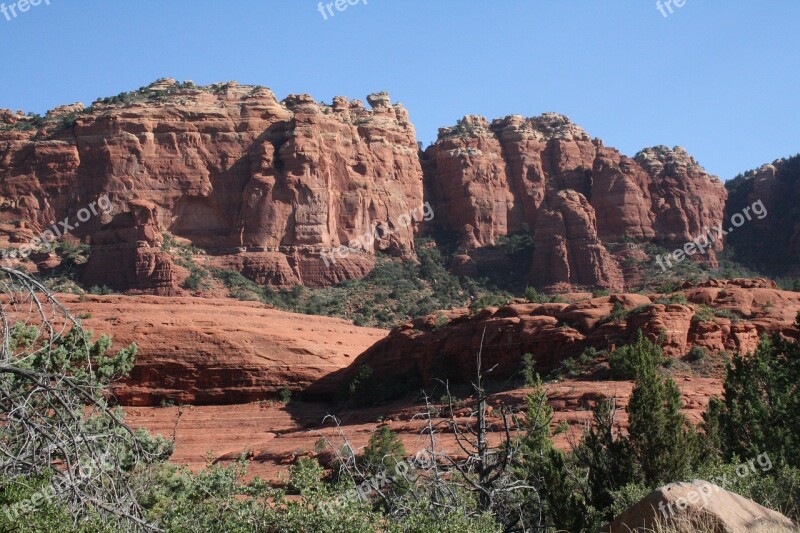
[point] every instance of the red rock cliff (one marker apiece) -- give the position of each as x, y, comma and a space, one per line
489, 180
230, 168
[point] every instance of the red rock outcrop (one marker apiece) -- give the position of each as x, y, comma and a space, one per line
740, 311
489, 180
228, 167
568, 250
768, 201
218, 351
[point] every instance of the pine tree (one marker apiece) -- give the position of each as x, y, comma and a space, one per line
666, 446
760, 408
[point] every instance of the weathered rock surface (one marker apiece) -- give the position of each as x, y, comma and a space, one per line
547, 176
740, 311
219, 351
768, 200
568, 251
228, 167
699, 507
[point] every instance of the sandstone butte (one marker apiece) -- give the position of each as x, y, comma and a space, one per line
261, 185
546, 175
264, 186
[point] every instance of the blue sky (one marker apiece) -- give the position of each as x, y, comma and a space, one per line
719, 77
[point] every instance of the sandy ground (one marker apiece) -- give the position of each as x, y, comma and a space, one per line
272, 435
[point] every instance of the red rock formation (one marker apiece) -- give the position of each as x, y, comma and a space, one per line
273, 436
567, 248
227, 167
554, 332
219, 351
126, 253
768, 199
488, 180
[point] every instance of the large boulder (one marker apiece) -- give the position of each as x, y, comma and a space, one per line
699, 507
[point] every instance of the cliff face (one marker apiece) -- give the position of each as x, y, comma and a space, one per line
777, 187
547, 176
268, 188
227, 167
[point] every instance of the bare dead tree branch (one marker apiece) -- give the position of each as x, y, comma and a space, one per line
54, 419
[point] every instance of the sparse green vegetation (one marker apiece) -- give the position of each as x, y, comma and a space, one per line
697, 353
535, 297
285, 395
628, 361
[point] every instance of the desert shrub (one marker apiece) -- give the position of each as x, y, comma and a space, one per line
729, 314
703, 314
618, 314
578, 366
678, 298
195, 280
285, 395
535, 297
383, 451
489, 300
629, 361
359, 388
100, 290
697, 353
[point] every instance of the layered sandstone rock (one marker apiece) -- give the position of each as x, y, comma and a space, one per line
768, 200
218, 351
273, 435
547, 176
742, 310
228, 167
568, 250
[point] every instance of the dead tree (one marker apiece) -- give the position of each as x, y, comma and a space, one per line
487, 470
55, 422
482, 469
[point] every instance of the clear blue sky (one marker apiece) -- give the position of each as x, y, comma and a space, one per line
721, 78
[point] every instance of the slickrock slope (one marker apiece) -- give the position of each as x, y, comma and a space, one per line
228, 167
547, 176
219, 351
771, 241
719, 315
